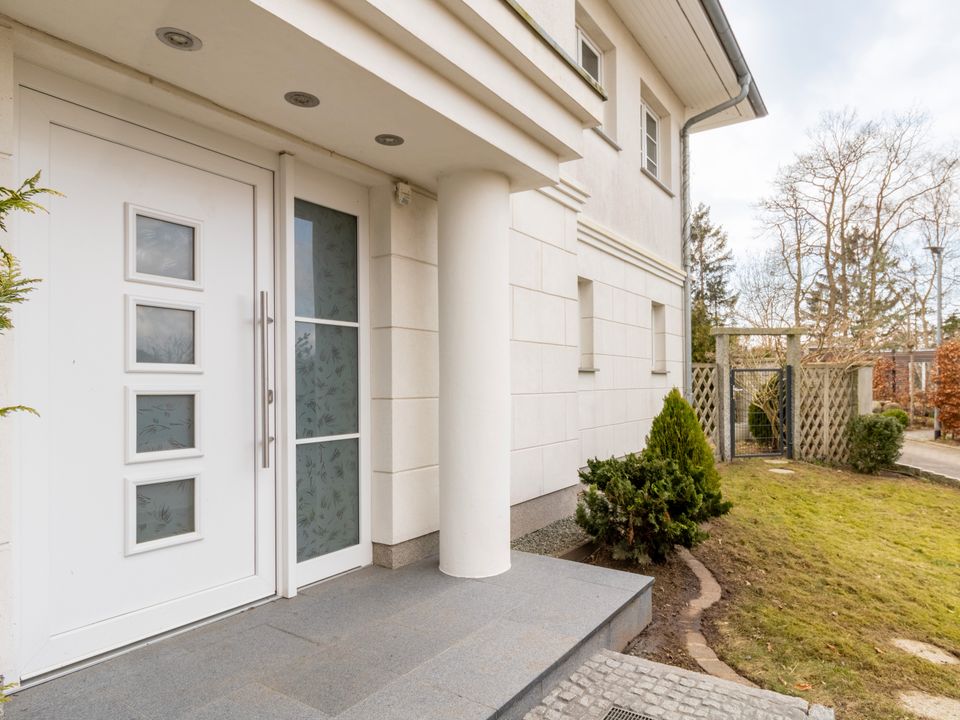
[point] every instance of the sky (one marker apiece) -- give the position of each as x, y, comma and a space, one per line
810, 56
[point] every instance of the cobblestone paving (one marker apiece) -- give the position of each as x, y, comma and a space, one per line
664, 692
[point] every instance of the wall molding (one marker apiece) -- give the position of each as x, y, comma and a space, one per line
606, 240
568, 193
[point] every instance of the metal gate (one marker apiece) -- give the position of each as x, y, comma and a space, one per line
760, 412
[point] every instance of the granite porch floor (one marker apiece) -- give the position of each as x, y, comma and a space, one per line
407, 644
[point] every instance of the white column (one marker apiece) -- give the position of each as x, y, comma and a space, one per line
474, 299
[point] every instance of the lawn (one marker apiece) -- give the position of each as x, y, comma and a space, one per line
821, 569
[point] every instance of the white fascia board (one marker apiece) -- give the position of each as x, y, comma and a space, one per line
363, 46
445, 42
499, 25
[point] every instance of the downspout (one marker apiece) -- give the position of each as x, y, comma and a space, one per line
685, 213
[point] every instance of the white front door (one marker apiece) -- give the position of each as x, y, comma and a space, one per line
147, 499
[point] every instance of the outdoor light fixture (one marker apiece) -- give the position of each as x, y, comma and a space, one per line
301, 99
178, 39
389, 140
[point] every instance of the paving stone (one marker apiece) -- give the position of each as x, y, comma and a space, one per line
666, 693
406, 700
926, 651
931, 706
781, 471
255, 702
329, 683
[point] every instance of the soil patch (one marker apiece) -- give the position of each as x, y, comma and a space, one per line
663, 640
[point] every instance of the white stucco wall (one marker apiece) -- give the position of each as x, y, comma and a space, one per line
622, 196
404, 367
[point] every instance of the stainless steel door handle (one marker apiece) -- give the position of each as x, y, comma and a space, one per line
265, 389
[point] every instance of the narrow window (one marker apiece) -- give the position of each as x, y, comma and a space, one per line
651, 144
589, 56
658, 334
585, 298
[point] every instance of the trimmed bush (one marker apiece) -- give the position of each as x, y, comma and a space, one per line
875, 442
899, 415
639, 507
676, 435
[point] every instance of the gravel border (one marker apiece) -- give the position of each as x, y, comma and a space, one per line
554, 539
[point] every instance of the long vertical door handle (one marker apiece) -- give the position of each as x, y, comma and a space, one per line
266, 392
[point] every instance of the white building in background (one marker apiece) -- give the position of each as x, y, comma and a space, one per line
330, 283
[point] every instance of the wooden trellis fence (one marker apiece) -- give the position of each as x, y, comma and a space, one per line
827, 401
707, 401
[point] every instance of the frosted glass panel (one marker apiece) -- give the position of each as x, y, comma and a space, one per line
325, 263
165, 509
165, 248
165, 335
165, 422
328, 497
327, 383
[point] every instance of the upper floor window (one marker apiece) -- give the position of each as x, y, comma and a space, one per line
651, 142
590, 56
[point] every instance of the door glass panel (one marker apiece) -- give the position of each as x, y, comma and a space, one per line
325, 263
327, 383
165, 335
328, 497
165, 422
165, 509
165, 248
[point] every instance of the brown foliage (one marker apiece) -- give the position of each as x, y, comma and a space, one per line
948, 385
884, 374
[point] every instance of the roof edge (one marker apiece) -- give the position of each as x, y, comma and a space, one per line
731, 48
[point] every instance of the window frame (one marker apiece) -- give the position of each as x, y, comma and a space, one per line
647, 113
584, 38
658, 337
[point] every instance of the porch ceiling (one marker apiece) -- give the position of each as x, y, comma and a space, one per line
251, 57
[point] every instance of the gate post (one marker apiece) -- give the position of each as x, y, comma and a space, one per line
794, 357
723, 394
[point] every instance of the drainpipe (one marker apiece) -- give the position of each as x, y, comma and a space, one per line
685, 213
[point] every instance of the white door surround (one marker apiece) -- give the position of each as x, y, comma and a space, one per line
145, 500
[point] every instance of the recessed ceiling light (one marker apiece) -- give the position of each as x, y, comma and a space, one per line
389, 140
301, 99
178, 39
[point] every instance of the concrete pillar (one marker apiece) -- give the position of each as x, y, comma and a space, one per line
794, 359
723, 393
865, 390
474, 283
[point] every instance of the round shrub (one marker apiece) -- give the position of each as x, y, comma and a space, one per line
760, 427
875, 442
899, 415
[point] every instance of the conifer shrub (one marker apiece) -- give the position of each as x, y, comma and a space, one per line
639, 506
676, 435
875, 442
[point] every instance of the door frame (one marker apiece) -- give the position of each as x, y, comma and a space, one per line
44, 99
297, 179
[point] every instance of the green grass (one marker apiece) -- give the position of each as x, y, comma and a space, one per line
821, 569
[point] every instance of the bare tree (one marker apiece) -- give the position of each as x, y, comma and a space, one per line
846, 217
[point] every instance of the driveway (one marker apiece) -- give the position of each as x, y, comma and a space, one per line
922, 453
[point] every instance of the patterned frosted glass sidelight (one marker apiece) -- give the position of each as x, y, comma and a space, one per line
327, 382
165, 422
325, 263
165, 335
165, 248
328, 497
165, 509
